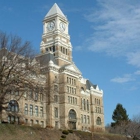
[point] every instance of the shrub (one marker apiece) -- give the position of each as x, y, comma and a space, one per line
70, 131
63, 136
66, 132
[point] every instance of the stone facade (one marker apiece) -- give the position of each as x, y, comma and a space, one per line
71, 102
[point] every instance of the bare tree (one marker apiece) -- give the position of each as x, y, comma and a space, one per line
129, 129
19, 71
133, 128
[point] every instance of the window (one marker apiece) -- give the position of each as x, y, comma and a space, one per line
98, 121
17, 119
88, 121
41, 97
64, 50
36, 110
67, 89
50, 49
99, 102
100, 110
96, 109
55, 98
13, 106
81, 103
56, 112
36, 96
74, 91
84, 118
12, 119
74, 82
75, 100
26, 109
81, 118
87, 105
31, 110
72, 114
55, 88
84, 102
9, 119
70, 90
71, 100
68, 99
53, 48
41, 111
30, 95
70, 80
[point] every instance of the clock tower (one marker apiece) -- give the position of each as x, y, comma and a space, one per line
55, 38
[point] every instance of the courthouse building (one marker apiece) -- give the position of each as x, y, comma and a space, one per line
71, 101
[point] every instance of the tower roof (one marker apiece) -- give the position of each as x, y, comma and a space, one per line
55, 10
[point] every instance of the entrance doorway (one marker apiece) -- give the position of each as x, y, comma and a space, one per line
72, 119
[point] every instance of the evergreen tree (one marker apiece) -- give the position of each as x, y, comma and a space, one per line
119, 115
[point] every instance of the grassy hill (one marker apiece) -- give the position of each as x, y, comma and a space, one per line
18, 132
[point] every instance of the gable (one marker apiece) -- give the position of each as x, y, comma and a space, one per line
73, 67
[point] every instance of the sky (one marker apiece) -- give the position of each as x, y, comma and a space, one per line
105, 35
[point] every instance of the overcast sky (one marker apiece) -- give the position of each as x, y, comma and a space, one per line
105, 35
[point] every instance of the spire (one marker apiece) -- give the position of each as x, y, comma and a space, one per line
55, 10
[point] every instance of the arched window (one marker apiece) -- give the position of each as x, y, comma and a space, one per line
13, 106
98, 121
72, 114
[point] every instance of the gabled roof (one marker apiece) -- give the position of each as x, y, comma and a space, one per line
89, 85
55, 10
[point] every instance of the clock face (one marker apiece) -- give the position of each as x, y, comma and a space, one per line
50, 26
62, 26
